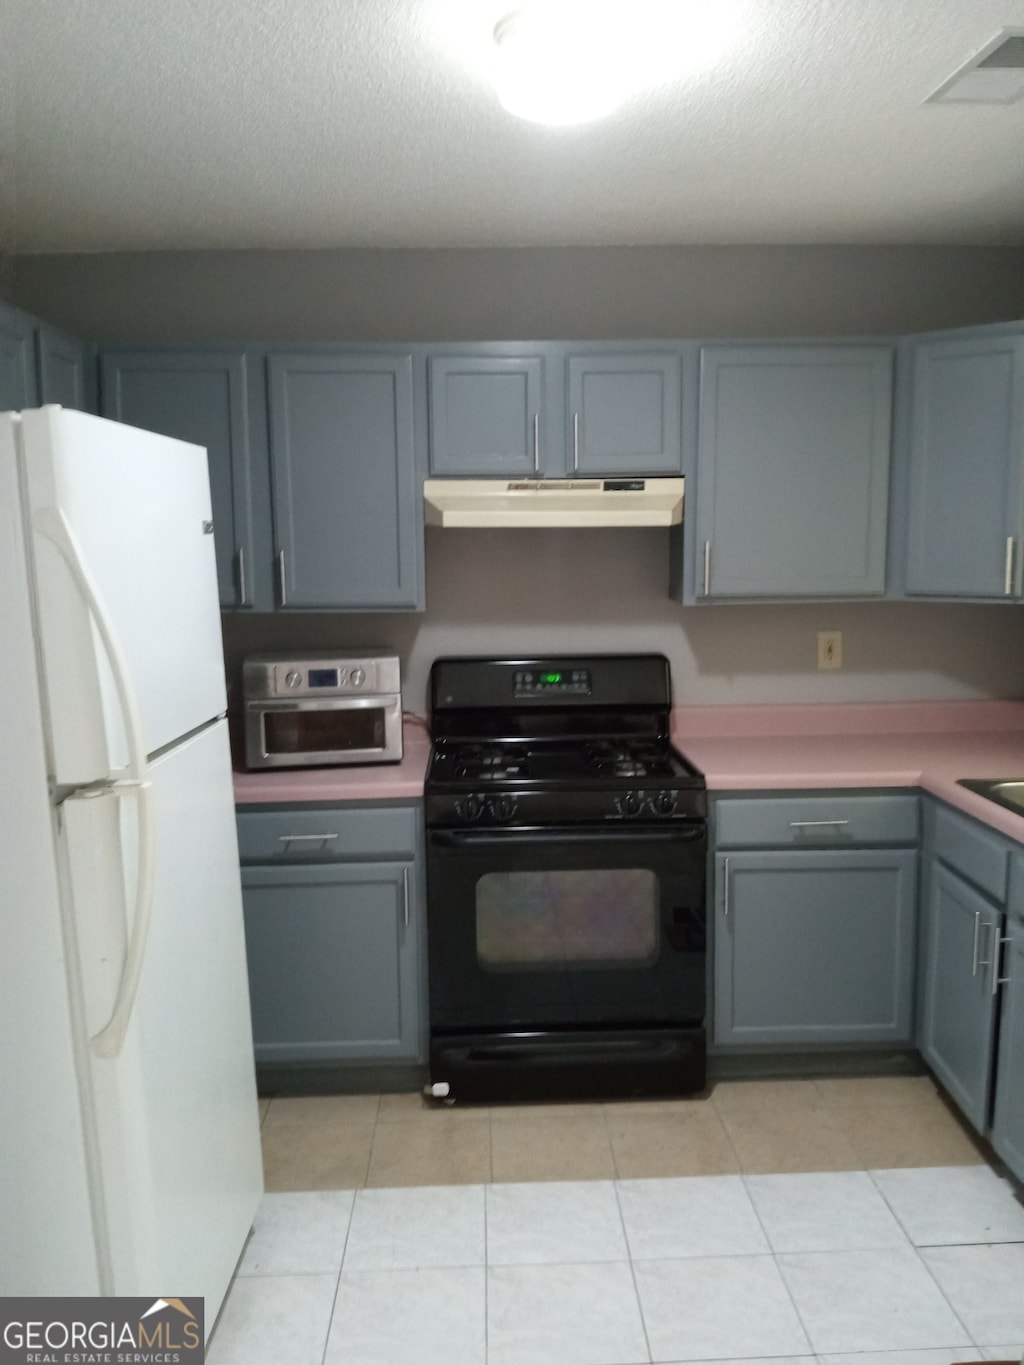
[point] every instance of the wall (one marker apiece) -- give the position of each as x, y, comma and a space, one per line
535, 591
521, 592
531, 293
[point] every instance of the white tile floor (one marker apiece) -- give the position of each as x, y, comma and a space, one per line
893, 1267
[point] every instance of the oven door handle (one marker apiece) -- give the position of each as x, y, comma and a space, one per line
465, 838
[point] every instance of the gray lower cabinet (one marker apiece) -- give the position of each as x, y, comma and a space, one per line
203, 396
966, 433
348, 519
1008, 1114
814, 937
333, 938
962, 963
792, 471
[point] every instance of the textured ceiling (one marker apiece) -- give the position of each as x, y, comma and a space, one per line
159, 124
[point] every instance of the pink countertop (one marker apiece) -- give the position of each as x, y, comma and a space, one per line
748, 748
891, 744
375, 782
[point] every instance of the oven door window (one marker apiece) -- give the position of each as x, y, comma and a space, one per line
324, 731
557, 919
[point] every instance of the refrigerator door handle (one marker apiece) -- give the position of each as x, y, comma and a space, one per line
53, 524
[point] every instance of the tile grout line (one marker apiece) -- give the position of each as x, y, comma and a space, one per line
337, 1282
632, 1266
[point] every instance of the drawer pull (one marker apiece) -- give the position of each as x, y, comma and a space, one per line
997, 944
305, 838
817, 824
974, 954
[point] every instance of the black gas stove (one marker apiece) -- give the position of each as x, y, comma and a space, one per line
566, 849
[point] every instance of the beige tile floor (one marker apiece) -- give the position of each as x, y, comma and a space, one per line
741, 1127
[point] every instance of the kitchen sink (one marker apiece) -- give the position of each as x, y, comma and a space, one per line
1003, 792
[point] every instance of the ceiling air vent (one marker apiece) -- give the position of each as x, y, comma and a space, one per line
995, 75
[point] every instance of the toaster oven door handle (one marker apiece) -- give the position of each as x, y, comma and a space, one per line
466, 838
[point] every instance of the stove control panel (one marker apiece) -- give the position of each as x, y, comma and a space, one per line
490, 809
530, 682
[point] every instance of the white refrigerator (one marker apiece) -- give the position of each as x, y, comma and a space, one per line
129, 1137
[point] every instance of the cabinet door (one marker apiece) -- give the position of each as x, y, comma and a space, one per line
793, 471
348, 527
625, 414
966, 454
485, 416
1008, 1118
814, 947
957, 1027
332, 956
18, 387
200, 397
63, 365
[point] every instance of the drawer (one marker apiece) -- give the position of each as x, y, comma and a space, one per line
974, 852
815, 821
305, 836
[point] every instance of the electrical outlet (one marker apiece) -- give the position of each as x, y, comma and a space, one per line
830, 649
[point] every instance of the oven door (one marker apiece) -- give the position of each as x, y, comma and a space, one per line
301, 734
566, 928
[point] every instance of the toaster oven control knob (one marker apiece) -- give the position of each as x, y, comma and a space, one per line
357, 677
293, 678
665, 803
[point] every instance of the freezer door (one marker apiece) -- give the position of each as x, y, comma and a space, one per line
175, 1112
124, 569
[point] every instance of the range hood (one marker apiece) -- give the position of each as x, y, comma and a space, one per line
552, 502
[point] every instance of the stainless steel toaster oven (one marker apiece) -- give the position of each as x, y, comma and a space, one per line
322, 709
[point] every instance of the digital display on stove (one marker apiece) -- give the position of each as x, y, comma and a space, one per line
531, 683
323, 677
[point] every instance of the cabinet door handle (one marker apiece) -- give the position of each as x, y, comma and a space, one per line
405, 897
575, 443
282, 574
707, 567
536, 443
305, 838
1008, 584
997, 943
725, 890
817, 824
977, 932
243, 596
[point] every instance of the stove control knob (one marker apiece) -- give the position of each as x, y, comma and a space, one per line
357, 677
665, 803
630, 804
504, 808
472, 808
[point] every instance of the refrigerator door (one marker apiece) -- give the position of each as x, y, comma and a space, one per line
125, 585
174, 1111
46, 1215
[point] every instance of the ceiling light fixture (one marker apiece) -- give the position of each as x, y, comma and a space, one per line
568, 61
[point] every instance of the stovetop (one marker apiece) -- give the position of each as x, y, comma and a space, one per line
556, 741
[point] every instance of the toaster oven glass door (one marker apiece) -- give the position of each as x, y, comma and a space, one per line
298, 734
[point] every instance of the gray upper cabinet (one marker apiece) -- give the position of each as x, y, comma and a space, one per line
625, 414
63, 365
966, 492
348, 523
793, 471
485, 416
18, 386
202, 397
